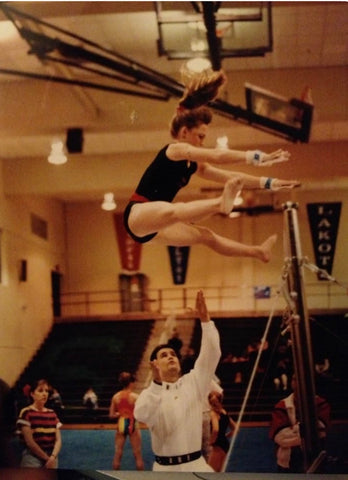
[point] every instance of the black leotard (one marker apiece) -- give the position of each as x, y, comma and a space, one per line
221, 440
162, 180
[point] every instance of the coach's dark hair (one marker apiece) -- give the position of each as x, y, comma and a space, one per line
153, 355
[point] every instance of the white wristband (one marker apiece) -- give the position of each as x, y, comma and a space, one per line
254, 157
266, 183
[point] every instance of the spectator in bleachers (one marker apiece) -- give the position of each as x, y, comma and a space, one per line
252, 347
90, 399
40, 430
55, 401
229, 358
285, 431
122, 407
282, 367
175, 341
188, 359
264, 358
323, 368
234, 367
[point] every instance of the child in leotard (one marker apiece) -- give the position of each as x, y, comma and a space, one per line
122, 408
222, 427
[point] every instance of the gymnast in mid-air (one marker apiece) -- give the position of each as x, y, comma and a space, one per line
151, 214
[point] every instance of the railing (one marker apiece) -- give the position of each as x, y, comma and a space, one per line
179, 300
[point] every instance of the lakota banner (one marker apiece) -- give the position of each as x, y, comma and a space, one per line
324, 220
178, 260
130, 251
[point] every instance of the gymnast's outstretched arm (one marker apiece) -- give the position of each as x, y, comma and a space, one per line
185, 151
210, 172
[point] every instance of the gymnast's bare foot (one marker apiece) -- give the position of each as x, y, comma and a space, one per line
231, 189
264, 250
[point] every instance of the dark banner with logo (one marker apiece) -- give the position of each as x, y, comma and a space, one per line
178, 260
130, 251
324, 221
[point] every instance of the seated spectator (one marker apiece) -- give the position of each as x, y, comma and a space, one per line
233, 367
285, 431
282, 367
323, 368
229, 358
55, 401
264, 358
188, 359
175, 341
90, 399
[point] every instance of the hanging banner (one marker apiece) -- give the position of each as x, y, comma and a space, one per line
178, 260
324, 220
130, 250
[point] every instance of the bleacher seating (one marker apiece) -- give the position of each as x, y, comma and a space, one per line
329, 334
78, 355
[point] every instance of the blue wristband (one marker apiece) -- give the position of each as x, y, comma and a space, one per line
268, 183
254, 157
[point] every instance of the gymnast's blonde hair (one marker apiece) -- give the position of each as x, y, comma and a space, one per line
200, 89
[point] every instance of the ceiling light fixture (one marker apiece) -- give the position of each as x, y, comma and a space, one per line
198, 64
222, 142
57, 155
7, 31
198, 45
108, 202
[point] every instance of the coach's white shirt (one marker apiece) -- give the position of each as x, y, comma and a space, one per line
173, 411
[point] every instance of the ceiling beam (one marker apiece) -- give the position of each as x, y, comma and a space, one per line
213, 41
145, 81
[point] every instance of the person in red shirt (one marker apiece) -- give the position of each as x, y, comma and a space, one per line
285, 431
122, 407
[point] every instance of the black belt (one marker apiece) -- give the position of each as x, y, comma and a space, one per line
178, 459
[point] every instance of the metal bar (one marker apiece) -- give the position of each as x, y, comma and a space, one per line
9, 11
52, 78
301, 343
42, 44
